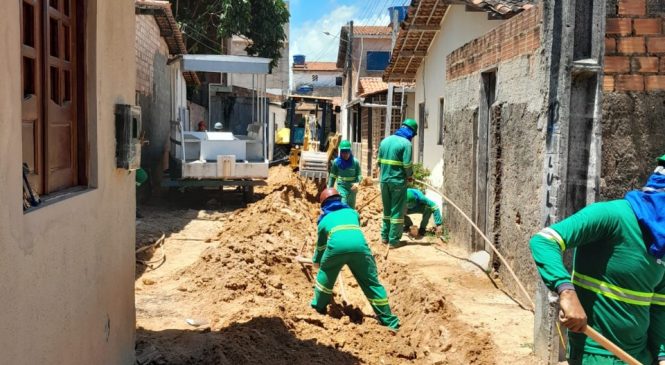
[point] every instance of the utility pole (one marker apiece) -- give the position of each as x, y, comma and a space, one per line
349, 80
389, 101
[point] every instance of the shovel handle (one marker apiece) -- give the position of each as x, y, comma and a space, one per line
610, 346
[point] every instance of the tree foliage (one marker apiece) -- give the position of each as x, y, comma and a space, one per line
206, 23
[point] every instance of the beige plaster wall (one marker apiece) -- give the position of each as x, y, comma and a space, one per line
67, 269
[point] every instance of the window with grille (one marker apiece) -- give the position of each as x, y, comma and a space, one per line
315, 78
338, 81
53, 127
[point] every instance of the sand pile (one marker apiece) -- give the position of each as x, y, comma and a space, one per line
255, 296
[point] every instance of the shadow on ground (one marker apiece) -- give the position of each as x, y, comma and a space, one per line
262, 340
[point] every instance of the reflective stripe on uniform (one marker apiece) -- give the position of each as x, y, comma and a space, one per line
658, 299
386, 218
322, 288
333, 176
378, 301
344, 227
552, 235
321, 248
615, 292
347, 179
397, 221
393, 163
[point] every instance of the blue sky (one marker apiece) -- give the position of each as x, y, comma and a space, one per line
310, 18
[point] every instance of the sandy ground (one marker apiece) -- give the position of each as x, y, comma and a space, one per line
231, 272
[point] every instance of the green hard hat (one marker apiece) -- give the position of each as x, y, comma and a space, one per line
345, 145
141, 177
661, 160
411, 124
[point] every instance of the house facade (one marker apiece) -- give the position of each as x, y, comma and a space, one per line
316, 78
161, 85
543, 114
67, 264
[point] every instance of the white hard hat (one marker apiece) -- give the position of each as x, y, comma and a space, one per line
218, 126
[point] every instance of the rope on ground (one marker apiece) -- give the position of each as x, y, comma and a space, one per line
160, 260
503, 260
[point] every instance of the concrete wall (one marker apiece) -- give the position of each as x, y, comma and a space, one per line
515, 145
277, 81
68, 267
457, 28
325, 78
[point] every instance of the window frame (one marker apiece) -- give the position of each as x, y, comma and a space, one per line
58, 50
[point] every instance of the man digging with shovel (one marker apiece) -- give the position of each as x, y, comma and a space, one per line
341, 242
418, 203
618, 280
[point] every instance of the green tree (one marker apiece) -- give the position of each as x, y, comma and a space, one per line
206, 23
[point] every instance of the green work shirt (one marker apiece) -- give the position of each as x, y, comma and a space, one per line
619, 284
339, 233
395, 159
417, 202
346, 177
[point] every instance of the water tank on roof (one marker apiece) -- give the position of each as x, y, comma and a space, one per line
401, 13
305, 89
299, 59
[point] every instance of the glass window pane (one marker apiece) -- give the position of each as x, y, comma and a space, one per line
53, 34
55, 85
66, 46
28, 77
28, 25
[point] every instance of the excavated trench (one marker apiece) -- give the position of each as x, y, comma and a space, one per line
255, 297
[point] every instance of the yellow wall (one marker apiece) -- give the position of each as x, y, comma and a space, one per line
67, 269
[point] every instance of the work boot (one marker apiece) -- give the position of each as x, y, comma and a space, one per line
421, 232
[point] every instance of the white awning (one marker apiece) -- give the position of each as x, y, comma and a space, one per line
225, 63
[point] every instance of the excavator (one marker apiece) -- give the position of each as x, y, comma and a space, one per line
310, 162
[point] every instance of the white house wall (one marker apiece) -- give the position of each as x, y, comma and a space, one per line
457, 28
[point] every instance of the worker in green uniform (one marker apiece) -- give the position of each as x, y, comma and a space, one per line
418, 203
341, 242
396, 169
345, 170
618, 279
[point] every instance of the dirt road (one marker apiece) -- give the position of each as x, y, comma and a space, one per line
232, 274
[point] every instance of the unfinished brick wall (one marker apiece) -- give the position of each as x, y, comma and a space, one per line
634, 48
518, 36
148, 42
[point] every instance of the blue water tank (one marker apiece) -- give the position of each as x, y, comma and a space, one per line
299, 59
401, 13
305, 89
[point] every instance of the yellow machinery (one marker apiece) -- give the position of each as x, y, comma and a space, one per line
310, 162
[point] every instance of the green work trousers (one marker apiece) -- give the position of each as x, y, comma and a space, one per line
364, 270
393, 196
348, 195
427, 213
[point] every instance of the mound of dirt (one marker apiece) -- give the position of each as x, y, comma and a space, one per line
256, 296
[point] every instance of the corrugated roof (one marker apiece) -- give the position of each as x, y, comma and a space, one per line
423, 22
317, 66
168, 28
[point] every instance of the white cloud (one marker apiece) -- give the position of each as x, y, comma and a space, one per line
311, 41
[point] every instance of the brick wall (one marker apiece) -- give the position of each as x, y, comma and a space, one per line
518, 36
634, 49
148, 42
